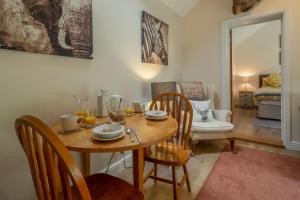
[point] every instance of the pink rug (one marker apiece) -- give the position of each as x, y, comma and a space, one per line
253, 175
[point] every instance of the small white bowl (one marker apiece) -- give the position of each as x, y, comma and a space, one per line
114, 131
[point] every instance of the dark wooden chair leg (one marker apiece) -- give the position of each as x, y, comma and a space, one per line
187, 178
155, 171
232, 145
194, 148
175, 187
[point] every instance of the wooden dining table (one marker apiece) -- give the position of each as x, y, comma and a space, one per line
147, 133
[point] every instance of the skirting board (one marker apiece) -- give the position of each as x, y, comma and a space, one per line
294, 146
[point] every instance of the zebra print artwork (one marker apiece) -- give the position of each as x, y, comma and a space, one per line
154, 40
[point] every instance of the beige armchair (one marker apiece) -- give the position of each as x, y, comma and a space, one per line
219, 128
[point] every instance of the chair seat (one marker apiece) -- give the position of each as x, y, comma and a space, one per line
212, 127
167, 154
107, 187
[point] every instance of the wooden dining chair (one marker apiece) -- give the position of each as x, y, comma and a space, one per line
174, 152
55, 173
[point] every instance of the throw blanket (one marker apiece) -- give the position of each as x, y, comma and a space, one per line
267, 94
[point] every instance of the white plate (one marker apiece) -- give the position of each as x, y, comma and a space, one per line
156, 118
156, 113
116, 131
109, 139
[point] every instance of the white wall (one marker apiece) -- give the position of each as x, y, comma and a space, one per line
202, 42
43, 85
203, 46
255, 51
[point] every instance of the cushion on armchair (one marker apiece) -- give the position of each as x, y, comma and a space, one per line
212, 126
202, 111
193, 90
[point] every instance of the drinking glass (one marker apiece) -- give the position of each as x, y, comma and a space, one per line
81, 100
116, 107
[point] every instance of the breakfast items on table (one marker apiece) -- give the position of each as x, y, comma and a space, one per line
68, 122
108, 132
138, 107
101, 103
116, 116
116, 108
90, 120
80, 116
156, 115
129, 111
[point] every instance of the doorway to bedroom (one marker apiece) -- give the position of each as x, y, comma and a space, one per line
256, 82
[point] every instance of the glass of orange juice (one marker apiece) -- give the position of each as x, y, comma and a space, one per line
90, 119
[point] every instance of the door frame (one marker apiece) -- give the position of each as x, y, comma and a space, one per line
227, 25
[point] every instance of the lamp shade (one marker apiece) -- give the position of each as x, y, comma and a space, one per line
245, 78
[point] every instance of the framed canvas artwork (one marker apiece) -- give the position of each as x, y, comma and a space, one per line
55, 27
154, 40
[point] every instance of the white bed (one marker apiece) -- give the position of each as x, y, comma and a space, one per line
268, 101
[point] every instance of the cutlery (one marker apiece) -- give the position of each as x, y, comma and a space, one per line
132, 131
120, 104
129, 132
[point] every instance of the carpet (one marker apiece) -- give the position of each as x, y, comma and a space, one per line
252, 175
267, 123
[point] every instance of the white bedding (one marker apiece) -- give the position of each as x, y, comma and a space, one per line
268, 91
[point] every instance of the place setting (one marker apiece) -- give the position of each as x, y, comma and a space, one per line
108, 132
117, 109
156, 115
104, 117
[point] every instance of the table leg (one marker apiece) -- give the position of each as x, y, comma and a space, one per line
138, 169
86, 163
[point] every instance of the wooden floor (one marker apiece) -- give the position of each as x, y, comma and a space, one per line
245, 129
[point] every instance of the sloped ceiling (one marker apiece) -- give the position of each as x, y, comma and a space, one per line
243, 33
181, 7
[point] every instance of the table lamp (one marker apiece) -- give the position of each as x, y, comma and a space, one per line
245, 80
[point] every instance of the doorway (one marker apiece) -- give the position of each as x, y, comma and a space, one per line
256, 82
226, 100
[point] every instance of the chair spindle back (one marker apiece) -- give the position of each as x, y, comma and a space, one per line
180, 108
53, 169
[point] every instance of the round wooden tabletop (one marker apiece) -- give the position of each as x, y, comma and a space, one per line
148, 133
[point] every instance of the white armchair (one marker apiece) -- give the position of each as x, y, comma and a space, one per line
219, 128
222, 115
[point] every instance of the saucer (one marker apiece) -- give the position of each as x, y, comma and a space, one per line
86, 126
69, 132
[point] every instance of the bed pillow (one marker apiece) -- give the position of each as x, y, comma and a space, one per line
265, 84
202, 111
274, 80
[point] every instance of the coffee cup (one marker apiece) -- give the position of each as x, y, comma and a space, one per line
68, 122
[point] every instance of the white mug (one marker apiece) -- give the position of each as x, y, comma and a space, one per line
68, 122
